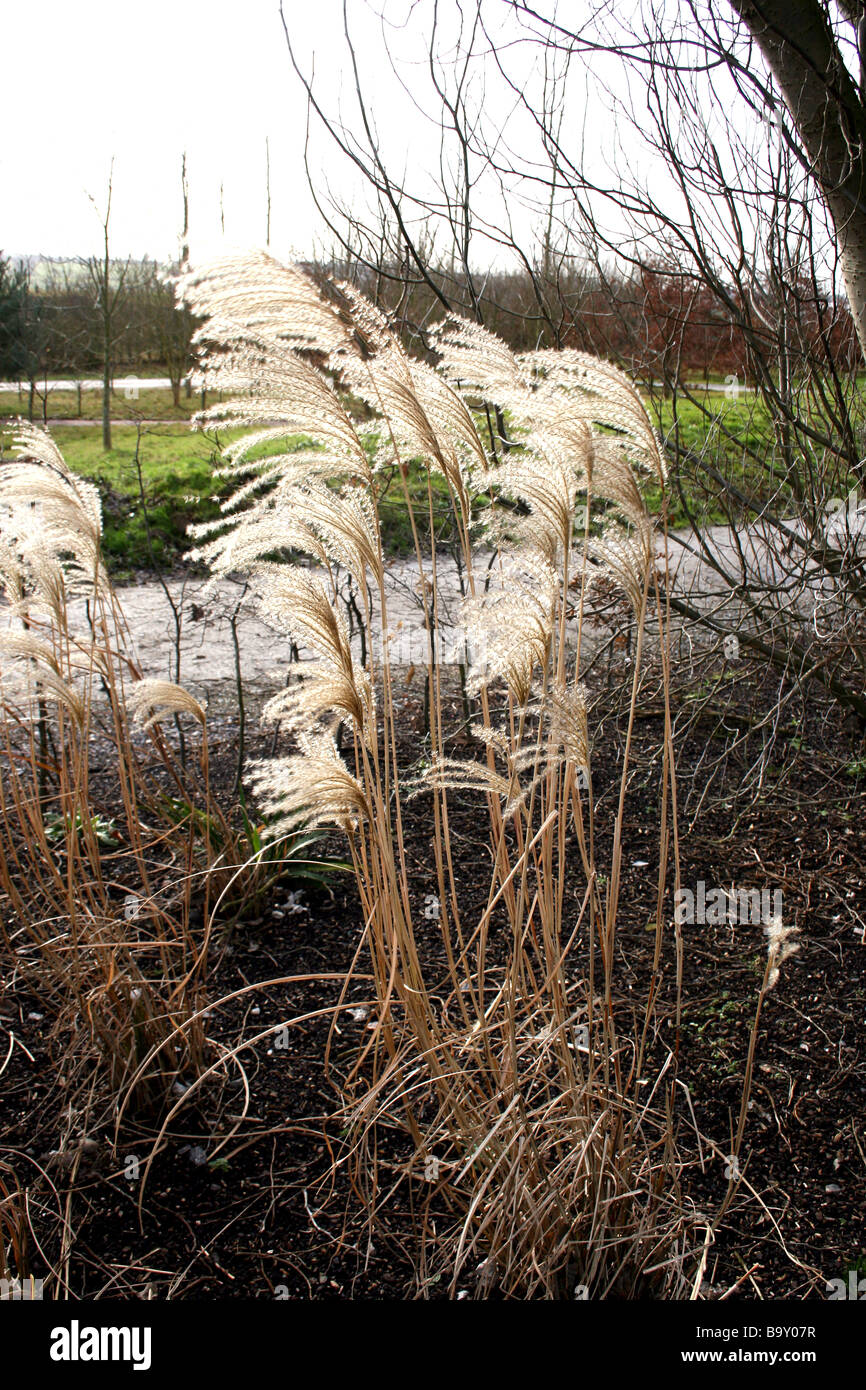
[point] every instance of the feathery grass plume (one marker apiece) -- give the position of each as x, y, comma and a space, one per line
51, 522
242, 542
12, 572
309, 788
554, 396
81, 655
453, 774
780, 947
449, 415
423, 413
493, 738
514, 534
421, 408
393, 391
267, 381
256, 293
36, 571
627, 557
552, 467
323, 692
25, 644
346, 525
152, 701
265, 471
51, 581
42, 475
472, 356
602, 394
509, 629
548, 486
518, 757
370, 332
582, 426
612, 478
259, 316
299, 603
330, 525
564, 708
565, 443
34, 665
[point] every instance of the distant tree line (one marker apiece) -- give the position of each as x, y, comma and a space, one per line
71, 319
660, 321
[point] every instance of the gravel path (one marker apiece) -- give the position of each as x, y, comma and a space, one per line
211, 619
207, 641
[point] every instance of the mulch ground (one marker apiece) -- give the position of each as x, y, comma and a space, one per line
262, 1218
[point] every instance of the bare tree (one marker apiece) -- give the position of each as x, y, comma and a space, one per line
14, 289
24, 342
70, 324
108, 281
805, 44
267, 191
169, 325
705, 228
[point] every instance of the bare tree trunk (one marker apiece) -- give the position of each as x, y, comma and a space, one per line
106, 386
828, 110
267, 192
108, 294
106, 308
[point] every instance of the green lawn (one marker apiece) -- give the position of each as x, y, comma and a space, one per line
178, 483
737, 439
180, 488
149, 404
724, 438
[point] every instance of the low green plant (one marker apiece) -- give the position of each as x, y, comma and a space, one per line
58, 828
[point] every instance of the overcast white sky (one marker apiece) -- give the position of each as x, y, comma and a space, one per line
144, 83
93, 80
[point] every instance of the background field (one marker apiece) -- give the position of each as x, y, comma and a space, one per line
146, 517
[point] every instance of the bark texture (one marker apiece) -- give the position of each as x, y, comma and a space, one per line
827, 108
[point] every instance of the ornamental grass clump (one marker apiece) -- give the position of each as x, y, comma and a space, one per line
537, 1105
103, 914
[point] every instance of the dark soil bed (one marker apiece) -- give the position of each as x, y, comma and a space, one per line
263, 1219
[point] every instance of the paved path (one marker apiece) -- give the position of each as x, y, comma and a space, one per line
207, 638
207, 646
136, 383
